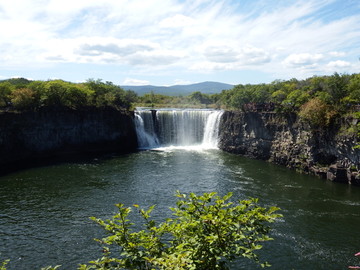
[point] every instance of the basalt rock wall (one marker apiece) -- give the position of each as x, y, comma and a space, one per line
283, 139
34, 136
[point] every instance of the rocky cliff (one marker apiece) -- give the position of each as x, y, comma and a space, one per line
29, 136
284, 140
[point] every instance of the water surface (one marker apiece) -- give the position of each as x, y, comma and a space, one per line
44, 211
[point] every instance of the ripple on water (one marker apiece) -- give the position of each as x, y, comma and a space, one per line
44, 211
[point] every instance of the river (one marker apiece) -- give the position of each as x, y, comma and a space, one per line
44, 211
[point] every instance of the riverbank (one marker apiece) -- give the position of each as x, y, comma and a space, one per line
283, 139
39, 136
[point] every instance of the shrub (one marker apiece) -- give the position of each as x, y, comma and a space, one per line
317, 113
3, 264
23, 99
78, 96
5, 92
206, 232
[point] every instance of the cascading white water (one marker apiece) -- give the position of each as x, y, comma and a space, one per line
180, 128
145, 130
211, 132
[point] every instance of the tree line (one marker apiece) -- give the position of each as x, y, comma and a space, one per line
335, 94
21, 94
339, 91
317, 99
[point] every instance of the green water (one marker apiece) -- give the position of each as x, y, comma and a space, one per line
44, 211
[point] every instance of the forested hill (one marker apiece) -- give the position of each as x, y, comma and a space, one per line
183, 90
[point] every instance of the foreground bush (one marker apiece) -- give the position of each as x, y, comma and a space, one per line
206, 232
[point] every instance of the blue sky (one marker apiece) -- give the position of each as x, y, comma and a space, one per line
168, 42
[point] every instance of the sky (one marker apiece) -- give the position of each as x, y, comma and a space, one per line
170, 42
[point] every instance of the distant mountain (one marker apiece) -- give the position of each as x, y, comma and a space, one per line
17, 81
184, 90
175, 90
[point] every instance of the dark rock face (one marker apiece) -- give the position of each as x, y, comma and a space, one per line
282, 139
28, 136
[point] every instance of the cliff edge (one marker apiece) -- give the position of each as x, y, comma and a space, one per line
30, 136
284, 140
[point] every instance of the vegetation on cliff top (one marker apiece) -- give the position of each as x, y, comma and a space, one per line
317, 100
23, 95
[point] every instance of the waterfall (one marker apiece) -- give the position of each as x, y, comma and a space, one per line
179, 128
145, 130
211, 132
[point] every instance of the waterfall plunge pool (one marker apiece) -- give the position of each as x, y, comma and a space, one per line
44, 211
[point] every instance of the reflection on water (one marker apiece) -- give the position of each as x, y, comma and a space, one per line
44, 211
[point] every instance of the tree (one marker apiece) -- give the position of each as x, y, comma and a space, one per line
241, 96
78, 96
130, 97
278, 96
295, 99
54, 93
5, 91
354, 90
200, 98
24, 99
317, 113
336, 87
206, 232
107, 94
261, 93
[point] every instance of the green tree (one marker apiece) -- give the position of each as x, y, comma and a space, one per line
107, 94
316, 84
38, 87
78, 96
5, 92
353, 90
206, 232
336, 87
241, 96
130, 97
225, 98
278, 96
295, 99
261, 93
24, 99
200, 98
54, 93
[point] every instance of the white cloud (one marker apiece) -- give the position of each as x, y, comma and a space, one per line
154, 58
177, 36
251, 55
339, 64
208, 67
182, 82
130, 81
109, 50
302, 59
221, 54
224, 57
177, 21
337, 54
120, 47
